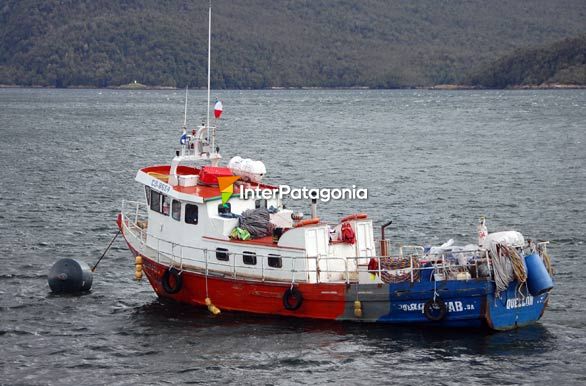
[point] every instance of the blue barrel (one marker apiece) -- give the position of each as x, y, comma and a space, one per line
538, 279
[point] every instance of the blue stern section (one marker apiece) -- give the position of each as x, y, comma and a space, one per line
468, 304
514, 308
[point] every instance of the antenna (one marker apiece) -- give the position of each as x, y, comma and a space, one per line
185, 113
213, 150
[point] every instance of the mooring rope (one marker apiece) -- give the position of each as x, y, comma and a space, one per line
106, 251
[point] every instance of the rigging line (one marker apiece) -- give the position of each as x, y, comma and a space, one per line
106, 251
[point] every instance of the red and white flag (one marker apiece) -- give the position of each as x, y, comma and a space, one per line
218, 108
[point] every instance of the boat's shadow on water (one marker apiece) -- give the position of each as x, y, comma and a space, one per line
528, 340
171, 316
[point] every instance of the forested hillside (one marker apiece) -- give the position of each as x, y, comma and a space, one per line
562, 62
270, 43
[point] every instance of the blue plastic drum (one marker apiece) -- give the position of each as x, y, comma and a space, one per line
538, 279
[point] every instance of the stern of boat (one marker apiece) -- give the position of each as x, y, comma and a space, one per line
514, 308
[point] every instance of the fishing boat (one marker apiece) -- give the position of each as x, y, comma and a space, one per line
202, 239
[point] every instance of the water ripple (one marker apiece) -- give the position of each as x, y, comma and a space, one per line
432, 161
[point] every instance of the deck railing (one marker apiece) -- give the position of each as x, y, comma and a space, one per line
411, 264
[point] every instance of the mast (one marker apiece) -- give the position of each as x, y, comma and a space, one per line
203, 152
213, 134
185, 112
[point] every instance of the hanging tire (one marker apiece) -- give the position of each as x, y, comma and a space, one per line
435, 310
172, 281
292, 299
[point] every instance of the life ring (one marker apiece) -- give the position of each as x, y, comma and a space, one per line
172, 286
309, 221
355, 216
435, 310
292, 299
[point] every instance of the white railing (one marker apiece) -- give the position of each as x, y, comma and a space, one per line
413, 264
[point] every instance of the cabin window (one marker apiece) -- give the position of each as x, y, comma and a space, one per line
176, 210
191, 214
260, 203
275, 261
249, 258
159, 202
166, 205
147, 192
222, 254
156, 201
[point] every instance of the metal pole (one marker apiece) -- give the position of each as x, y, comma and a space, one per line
384, 246
185, 112
382, 229
209, 83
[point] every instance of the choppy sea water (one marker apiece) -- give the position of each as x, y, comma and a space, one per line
433, 162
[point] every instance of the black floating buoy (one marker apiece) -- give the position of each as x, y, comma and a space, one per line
70, 276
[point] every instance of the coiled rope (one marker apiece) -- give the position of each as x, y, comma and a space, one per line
502, 267
519, 268
508, 265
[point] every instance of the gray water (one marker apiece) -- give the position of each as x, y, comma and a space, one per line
433, 162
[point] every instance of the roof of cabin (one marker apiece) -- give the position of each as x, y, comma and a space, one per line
206, 192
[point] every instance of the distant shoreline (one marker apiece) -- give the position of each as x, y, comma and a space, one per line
545, 86
440, 87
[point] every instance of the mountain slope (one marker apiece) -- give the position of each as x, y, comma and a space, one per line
561, 62
269, 43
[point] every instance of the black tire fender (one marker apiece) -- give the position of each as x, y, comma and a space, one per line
435, 309
165, 281
292, 299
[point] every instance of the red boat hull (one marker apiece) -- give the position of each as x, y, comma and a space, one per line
320, 301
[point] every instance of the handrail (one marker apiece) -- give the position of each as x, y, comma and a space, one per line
189, 257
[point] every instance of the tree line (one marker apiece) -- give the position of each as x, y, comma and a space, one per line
561, 62
273, 43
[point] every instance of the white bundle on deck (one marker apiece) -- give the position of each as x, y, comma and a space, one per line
247, 169
509, 238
